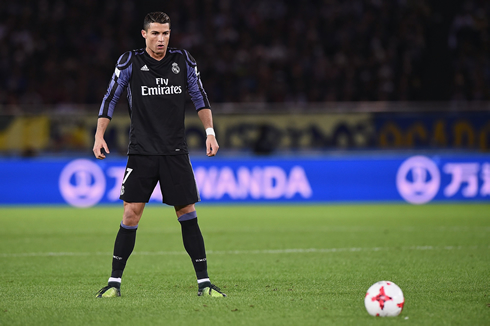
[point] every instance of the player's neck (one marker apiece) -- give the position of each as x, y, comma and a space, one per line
156, 56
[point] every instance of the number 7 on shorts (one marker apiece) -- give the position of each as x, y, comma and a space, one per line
129, 170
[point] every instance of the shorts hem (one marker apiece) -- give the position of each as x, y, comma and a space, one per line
180, 204
134, 201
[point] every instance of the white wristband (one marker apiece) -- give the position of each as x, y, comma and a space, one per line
210, 131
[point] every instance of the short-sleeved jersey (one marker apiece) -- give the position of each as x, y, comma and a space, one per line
156, 92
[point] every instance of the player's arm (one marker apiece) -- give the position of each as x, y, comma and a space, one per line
207, 121
201, 103
100, 143
119, 81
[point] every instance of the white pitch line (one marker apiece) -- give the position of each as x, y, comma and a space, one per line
244, 252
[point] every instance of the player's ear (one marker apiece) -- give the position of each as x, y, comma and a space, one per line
143, 33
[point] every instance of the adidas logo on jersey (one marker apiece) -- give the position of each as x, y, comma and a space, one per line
145, 68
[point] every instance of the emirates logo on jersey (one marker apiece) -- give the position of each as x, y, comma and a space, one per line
175, 68
162, 88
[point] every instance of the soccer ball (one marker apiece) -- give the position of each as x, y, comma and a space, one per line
384, 298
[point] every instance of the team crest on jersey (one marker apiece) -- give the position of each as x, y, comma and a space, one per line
175, 68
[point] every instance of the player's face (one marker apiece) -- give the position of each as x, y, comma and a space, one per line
157, 37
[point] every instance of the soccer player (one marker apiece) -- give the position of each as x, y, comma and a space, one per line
156, 79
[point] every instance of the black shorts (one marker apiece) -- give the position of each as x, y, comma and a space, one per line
174, 172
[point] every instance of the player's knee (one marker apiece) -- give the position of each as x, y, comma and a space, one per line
132, 215
181, 210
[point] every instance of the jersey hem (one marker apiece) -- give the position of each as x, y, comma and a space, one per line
160, 154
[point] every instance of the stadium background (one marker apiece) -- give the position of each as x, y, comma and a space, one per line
331, 116
352, 87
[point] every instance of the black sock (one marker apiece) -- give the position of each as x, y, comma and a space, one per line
123, 247
194, 244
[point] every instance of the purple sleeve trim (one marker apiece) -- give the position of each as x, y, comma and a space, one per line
195, 87
119, 81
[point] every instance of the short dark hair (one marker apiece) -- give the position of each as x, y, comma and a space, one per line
155, 17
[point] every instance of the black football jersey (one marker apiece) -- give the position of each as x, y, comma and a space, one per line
156, 92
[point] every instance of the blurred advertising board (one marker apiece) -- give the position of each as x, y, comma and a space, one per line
355, 178
443, 130
264, 132
24, 132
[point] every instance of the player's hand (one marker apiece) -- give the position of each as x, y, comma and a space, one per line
211, 145
100, 148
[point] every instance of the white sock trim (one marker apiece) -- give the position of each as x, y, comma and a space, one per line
113, 279
202, 280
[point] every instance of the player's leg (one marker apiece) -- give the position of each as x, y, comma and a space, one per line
193, 240
194, 245
123, 247
125, 239
138, 183
179, 189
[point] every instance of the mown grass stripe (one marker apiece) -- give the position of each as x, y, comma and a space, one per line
244, 252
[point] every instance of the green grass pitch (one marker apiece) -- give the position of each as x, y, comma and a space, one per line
279, 265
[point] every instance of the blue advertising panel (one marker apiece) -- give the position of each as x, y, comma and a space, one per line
374, 178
